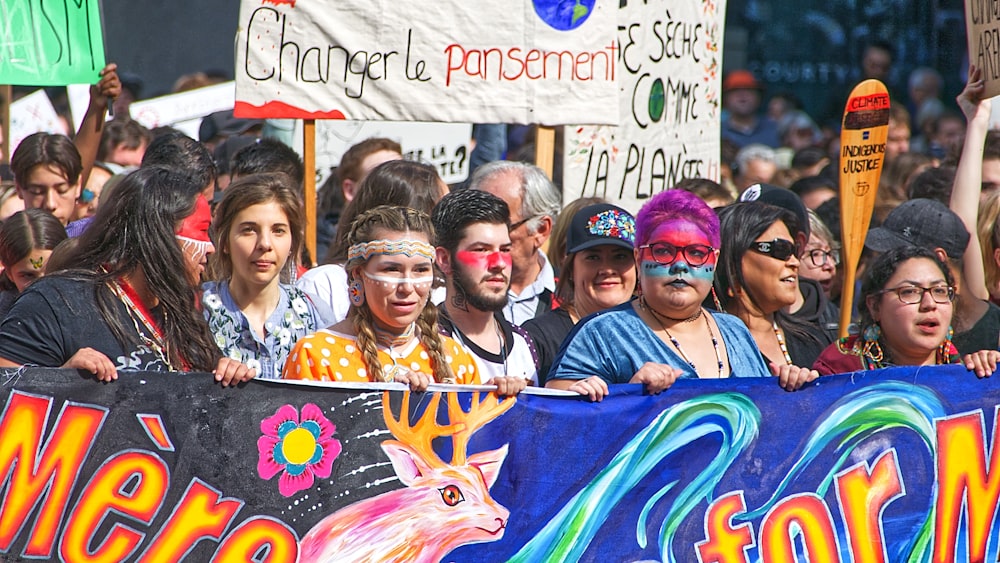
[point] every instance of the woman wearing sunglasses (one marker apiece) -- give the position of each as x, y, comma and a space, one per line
758, 278
906, 318
665, 334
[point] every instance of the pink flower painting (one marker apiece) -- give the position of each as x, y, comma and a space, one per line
299, 448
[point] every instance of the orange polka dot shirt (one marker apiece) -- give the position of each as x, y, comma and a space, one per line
332, 356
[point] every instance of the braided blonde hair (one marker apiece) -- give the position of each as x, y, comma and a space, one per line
364, 229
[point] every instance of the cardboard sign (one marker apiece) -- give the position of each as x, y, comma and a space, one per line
982, 28
33, 114
189, 106
51, 43
541, 61
669, 68
446, 146
893, 465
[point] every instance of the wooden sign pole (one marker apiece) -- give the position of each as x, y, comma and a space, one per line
862, 150
309, 185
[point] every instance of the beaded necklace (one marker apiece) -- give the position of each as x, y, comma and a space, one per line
781, 342
715, 342
154, 340
389, 341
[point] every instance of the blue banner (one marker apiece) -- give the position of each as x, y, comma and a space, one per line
894, 465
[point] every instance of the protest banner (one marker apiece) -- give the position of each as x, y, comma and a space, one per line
898, 464
982, 29
51, 43
185, 110
539, 61
671, 58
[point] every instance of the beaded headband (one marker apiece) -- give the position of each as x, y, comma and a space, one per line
365, 250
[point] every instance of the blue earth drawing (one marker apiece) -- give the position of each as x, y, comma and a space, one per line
564, 15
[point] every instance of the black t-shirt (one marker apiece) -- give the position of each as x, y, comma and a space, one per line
57, 316
548, 331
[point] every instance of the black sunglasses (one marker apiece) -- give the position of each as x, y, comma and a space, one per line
779, 248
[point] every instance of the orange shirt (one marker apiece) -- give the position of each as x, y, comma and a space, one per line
332, 356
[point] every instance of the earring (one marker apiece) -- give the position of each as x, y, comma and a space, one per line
872, 332
356, 292
872, 349
944, 350
718, 304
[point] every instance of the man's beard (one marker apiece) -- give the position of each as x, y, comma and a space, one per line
468, 290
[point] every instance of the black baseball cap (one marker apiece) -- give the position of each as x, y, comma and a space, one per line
779, 197
927, 223
598, 224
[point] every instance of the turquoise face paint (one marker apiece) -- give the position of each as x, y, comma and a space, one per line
679, 233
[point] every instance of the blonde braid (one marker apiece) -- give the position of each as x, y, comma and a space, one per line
432, 342
363, 325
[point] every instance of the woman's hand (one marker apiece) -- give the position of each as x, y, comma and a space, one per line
417, 380
983, 362
109, 86
971, 100
656, 377
92, 361
593, 387
792, 378
508, 384
231, 372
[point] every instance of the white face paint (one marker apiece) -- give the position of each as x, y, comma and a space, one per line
392, 281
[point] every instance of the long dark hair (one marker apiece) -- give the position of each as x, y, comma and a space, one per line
136, 230
23, 232
740, 225
884, 267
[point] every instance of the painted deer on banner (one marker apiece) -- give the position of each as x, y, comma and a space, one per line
444, 505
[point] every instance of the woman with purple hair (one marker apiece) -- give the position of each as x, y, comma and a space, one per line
665, 333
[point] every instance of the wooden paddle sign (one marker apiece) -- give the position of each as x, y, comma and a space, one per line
862, 150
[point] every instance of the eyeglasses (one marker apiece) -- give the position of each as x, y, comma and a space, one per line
666, 253
779, 248
521, 222
912, 294
820, 257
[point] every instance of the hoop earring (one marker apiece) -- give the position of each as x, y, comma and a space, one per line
356, 292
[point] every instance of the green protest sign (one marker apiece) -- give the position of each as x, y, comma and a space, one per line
50, 43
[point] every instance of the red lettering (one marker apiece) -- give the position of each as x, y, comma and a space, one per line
862, 496
47, 478
201, 513
963, 478
132, 484
259, 533
725, 543
806, 514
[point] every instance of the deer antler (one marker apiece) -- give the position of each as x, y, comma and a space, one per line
418, 436
467, 423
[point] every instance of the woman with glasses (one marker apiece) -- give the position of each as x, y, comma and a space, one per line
821, 256
665, 333
758, 279
391, 331
908, 296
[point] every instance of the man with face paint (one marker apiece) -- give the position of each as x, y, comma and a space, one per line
474, 252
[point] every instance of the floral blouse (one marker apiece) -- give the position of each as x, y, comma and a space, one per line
294, 317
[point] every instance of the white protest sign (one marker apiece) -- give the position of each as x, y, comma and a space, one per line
669, 102
184, 110
443, 145
518, 61
33, 114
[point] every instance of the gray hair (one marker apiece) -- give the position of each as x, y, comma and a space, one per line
755, 151
539, 196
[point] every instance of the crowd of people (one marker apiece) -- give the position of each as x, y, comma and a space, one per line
126, 249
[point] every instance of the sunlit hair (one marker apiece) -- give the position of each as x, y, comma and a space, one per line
884, 266
48, 149
350, 162
819, 228
23, 232
674, 205
397, 182
256, 189
457, 210
539, 196
988, 231
372, 225
135, 230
